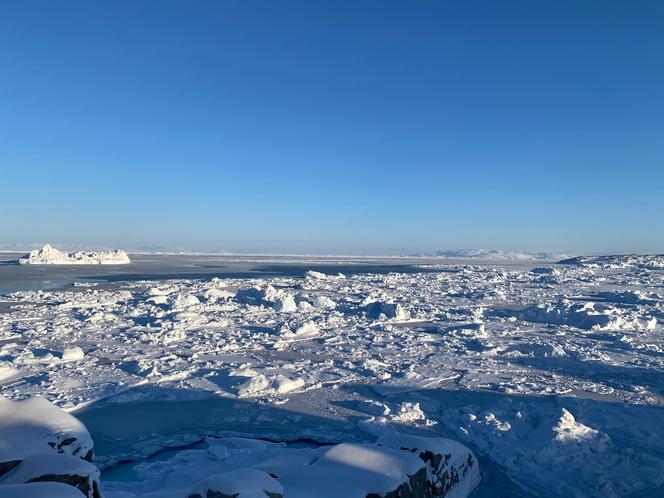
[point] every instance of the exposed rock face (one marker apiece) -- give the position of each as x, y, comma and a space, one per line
7, 466
88, 485
451, 467
39, 443
60, 468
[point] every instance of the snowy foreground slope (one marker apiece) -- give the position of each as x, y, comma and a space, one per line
47, 452
48, 255
553, 377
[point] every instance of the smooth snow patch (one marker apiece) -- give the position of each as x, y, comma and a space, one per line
241, 483
27, 427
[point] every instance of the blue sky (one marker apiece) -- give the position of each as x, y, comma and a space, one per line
333, 126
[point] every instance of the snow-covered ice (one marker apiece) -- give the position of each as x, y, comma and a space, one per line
553, 376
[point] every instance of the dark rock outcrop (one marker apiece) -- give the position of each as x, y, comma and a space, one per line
449, 464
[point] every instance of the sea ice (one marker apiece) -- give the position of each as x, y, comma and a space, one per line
553, 376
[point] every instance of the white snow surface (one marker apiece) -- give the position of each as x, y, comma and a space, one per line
49, 255
240, 483
39, 490
353, 470
553, 375
35, 426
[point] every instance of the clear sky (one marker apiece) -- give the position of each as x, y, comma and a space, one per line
333, 126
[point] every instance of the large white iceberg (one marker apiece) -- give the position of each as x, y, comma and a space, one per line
49, 255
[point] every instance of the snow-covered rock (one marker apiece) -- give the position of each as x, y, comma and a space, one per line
49, 255
395, 467
352, 470
241, 483
53, 467
453, 469
35, 426
40, 443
